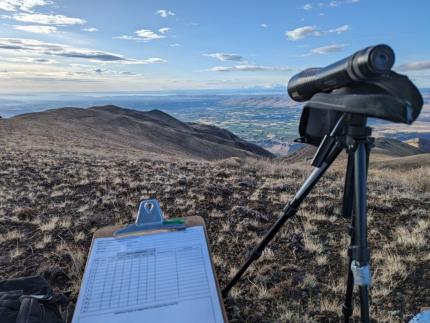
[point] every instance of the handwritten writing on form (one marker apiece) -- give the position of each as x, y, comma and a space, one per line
164, 277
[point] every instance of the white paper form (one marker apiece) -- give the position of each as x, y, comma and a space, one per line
164, 277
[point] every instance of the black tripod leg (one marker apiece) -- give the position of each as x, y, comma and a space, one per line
348, 201
360, 250
348, 188
347, 308
288, 212
364, 304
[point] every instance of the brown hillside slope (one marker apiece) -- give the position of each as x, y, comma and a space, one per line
395, 147
124, 131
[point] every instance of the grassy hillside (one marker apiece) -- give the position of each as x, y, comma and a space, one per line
52, 202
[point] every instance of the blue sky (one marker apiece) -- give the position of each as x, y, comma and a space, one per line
106, 45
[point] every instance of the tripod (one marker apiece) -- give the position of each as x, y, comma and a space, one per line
349, 133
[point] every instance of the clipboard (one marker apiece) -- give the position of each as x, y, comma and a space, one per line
125, 264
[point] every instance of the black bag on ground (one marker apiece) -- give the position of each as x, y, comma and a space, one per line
29, 300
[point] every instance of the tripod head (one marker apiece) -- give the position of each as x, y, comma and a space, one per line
384, 94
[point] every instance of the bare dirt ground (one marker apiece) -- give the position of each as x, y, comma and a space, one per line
51, 202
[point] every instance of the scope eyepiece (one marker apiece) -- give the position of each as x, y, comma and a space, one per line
370, 62
381, 58
365, 64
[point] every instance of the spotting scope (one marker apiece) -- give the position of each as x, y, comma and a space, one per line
364, 65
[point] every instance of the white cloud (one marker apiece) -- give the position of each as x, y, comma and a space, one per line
163, 30
334, 4
39, 72
302, 32
34, 60
151, 60
175, 45
36, 47
225, 56
331, 4
328, 49
23, 5
126, 37
415, 66
249, 68
147, 34
305, 31
91, 30
165, 13
51, 19
28, 5
264, 25
338, 30
7, 5
37, 29
144, 36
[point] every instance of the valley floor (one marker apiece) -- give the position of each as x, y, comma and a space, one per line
51, 203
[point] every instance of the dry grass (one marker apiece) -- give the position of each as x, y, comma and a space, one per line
312, 244
310, 281
394, 270
41, 244
50, 225
330, 305
417, 236
417, 178
16, 252
11, 235
52, 202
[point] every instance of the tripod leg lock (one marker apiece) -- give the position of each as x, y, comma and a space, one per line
361, 274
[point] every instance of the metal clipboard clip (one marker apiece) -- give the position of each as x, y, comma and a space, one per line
150, 217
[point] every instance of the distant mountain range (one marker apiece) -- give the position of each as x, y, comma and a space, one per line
124, 131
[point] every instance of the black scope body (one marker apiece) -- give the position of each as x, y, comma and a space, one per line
365, 64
